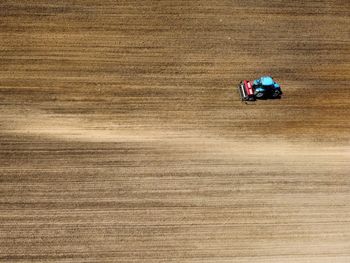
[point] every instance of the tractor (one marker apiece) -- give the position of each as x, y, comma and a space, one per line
262, 88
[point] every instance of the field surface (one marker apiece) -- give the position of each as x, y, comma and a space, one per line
122, 137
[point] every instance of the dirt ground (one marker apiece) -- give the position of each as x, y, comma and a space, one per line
122, 137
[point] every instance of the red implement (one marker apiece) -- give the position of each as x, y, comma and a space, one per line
249, 88
246, 91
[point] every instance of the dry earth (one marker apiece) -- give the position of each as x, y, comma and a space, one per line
122, 137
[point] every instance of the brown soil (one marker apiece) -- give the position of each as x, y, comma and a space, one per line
122, 137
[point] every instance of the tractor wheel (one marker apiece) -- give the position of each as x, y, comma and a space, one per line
259, 95
276, 94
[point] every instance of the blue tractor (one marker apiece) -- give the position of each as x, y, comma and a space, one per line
262, 88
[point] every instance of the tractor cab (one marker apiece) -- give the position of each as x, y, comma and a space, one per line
264, 82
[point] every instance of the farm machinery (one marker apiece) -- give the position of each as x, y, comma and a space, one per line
262, 88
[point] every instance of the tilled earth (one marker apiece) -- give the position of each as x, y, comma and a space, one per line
123, 139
